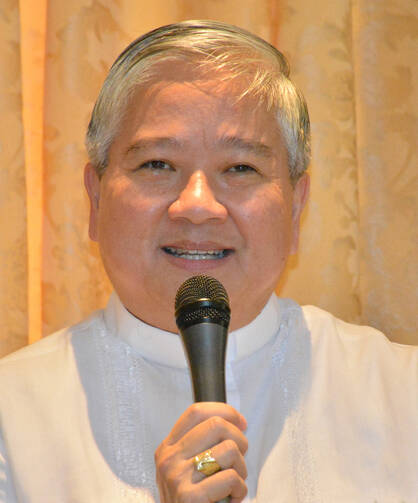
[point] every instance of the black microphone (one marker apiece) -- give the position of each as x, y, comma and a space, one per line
202, 316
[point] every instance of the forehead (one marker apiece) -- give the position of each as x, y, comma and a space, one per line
186, 101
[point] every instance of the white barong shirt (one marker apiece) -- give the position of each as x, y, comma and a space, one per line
332, 410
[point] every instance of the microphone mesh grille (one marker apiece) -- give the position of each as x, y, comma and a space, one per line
202, 313
200, 287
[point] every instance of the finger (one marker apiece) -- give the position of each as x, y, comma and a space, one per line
223, 484
201, 411
228, 456
210, 433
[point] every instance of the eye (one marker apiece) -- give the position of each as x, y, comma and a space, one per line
156, 166
241, 168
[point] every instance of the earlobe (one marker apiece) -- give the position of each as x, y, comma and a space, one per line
300, 198
92, 185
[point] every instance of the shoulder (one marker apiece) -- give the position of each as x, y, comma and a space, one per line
50, 350
323, 323
44, 373
356, 341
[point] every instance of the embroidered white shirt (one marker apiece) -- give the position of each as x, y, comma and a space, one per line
332, 410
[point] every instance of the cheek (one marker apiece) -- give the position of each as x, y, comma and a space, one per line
126, 218
266, 222
123, 204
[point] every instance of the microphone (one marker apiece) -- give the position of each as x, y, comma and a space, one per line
202, 316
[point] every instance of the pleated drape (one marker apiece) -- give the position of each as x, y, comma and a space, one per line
13, 214
354, 61
385, 47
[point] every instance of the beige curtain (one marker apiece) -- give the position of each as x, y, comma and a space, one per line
354, 61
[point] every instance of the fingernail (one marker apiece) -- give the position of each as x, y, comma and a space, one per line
244, 423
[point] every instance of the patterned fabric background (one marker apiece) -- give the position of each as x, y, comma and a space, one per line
354, 61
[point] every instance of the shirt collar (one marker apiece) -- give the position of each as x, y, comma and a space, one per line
166, 348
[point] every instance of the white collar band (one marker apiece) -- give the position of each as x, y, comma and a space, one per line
166, 348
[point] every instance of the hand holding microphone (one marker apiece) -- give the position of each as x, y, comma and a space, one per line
209, 435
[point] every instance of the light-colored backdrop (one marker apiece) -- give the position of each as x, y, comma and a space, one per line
355, 62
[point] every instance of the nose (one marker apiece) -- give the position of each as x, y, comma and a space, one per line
197, 202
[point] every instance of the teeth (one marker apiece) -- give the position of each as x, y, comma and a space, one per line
196, 254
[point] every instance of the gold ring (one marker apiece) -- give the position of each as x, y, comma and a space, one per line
206, 463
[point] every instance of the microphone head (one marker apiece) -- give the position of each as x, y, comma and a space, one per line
202, 299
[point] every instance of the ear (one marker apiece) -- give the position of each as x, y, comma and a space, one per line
300, 197
92, 185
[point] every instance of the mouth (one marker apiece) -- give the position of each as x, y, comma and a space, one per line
197, 254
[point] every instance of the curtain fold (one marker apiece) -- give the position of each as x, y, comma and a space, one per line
385, 45
354, 61
13, 238
32, 57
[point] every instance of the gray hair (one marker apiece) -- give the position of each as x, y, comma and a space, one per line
212, 46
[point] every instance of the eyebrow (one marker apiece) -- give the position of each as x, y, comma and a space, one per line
155, 142
249, 146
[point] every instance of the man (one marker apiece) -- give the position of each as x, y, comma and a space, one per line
198, 147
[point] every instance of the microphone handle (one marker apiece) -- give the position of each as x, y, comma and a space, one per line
205, 345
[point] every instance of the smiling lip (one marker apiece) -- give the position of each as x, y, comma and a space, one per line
197, 251
196, 254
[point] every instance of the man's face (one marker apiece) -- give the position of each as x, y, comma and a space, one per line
196, 184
